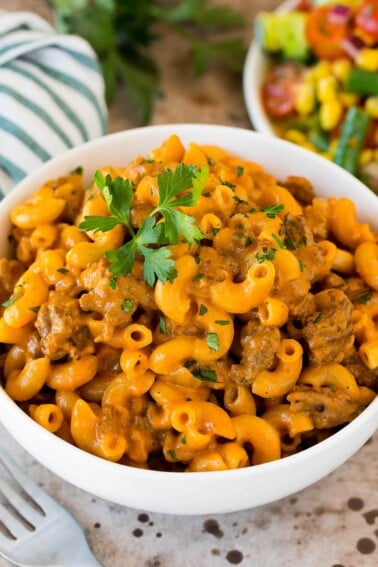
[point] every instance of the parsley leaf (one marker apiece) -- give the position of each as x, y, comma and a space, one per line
278, 241
212, 341
207, 374
158, 264
117, 194
98, 223
12, 299
266, 254
272, 211
364, 297
122, 259
164, 225
203, 309
162, 325
128, 305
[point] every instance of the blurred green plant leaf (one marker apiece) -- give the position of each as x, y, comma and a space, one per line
122, 31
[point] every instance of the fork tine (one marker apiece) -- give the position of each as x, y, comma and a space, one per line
13, 525
27, 484
20, 504
5, 543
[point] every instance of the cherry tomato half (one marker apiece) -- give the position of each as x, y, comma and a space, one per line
367, 18
324, 36
279, 89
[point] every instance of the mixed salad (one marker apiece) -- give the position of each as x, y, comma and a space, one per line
322, 87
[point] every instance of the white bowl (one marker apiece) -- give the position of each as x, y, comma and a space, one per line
256, 66
192, 493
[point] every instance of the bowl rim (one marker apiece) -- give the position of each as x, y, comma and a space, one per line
284, 462
11, 413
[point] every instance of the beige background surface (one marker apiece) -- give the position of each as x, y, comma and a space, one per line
331, 524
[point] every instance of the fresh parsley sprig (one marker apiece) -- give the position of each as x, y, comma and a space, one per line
163, 226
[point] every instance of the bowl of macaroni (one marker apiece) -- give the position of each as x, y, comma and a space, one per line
188, 319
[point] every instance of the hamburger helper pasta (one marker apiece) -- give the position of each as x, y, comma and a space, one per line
189, 312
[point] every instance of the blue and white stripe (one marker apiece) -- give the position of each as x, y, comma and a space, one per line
51, 95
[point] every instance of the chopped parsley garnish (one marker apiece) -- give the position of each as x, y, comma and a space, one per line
364, 298
301, 265
221, 322
113, 282
183, 440
212, 341
35, 309
278, 241
128, 305
227, 183
203, 309
162, 326
215, 230
317, 318
289, 243
266, 254
207, 374
198, 277
181, 188
272, 211
62, 270
12, 299
172, 454
78, 170
189, 363
240, 201
211, 161
239, 170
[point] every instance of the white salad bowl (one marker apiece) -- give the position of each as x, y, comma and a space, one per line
256, 66
192, 492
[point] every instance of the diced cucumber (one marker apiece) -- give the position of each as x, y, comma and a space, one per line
283, 32
267, 31
294, 41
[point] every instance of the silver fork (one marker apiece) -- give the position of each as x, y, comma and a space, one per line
36, 531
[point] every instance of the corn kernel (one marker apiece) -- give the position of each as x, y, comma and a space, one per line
349, 99
367, 59
341, 68
310, 77
326, 88
330, 114
371, 106
366, 156
309, 146
295, 136
326, 155
305, 99
322, 69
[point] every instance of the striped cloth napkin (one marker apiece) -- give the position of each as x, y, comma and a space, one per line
51, 95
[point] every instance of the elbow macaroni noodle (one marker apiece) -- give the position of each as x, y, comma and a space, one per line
230, 364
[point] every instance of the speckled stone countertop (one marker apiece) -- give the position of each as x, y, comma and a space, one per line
333, 523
